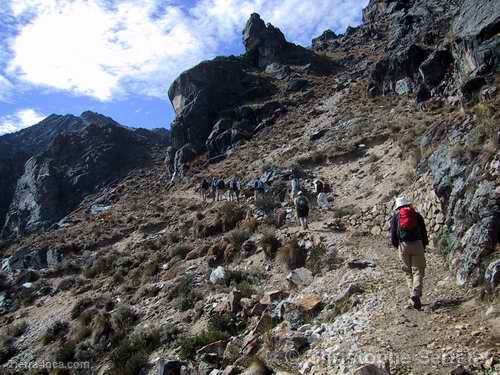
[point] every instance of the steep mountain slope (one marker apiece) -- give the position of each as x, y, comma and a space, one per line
145, 276
48, 168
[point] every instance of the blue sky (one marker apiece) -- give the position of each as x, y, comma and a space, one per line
118, 57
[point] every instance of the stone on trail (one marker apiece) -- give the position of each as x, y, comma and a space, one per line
300, 277
370, 370
360, 264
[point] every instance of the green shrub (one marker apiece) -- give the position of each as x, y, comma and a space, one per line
292, 255
227, 323
237, 237
7, 348
174, 237
230, 214
56, 331
151, 267
189, 345
180, 250
270, 244
17, 329
250, 224
132, 353
185, 293
246, 288
445, 242
316, 260
103, 265
123, 318
80, 306
266, 202
64, 352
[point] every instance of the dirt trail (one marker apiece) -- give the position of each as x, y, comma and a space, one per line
449, 331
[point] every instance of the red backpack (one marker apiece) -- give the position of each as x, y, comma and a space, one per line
407, 219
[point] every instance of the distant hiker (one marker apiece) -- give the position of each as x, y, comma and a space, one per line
302, 209
319, 189
234, 189
204, 188
258, 189
318, 186
408, 233
220, 189
214, 188
280, 217
295, 186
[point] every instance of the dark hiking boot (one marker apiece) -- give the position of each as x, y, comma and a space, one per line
417, 304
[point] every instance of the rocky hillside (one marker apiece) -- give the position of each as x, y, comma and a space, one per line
144, 277
49, 168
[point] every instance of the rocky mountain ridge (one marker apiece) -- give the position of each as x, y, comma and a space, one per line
145, 277
47, 169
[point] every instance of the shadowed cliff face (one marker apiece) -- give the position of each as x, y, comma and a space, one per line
52, 166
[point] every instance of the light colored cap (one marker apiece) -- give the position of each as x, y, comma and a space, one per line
299, 193
402, 201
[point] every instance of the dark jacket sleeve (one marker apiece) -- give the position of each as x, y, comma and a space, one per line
423, 230
394, 231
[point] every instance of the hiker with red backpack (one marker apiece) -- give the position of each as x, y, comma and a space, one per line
408, 233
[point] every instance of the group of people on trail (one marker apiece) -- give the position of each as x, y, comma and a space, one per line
218, 189
301, 203
407, 227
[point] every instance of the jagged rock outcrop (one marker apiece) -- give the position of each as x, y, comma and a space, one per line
378, 8
70, 158
392, 69
201, 93
476, 48
470, 201
462, 44
266, 44
209, 99
324, 41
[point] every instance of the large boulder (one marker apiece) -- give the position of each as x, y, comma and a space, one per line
201, 93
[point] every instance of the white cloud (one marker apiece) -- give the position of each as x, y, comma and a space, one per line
103, 50
20, 120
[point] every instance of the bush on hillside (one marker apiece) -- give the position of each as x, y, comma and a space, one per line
7, 348
16, 329
132, 353
291, 255
189, 345
56, 331
237, 237
270, 244
230, 214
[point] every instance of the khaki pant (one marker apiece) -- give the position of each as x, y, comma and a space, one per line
412, 255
